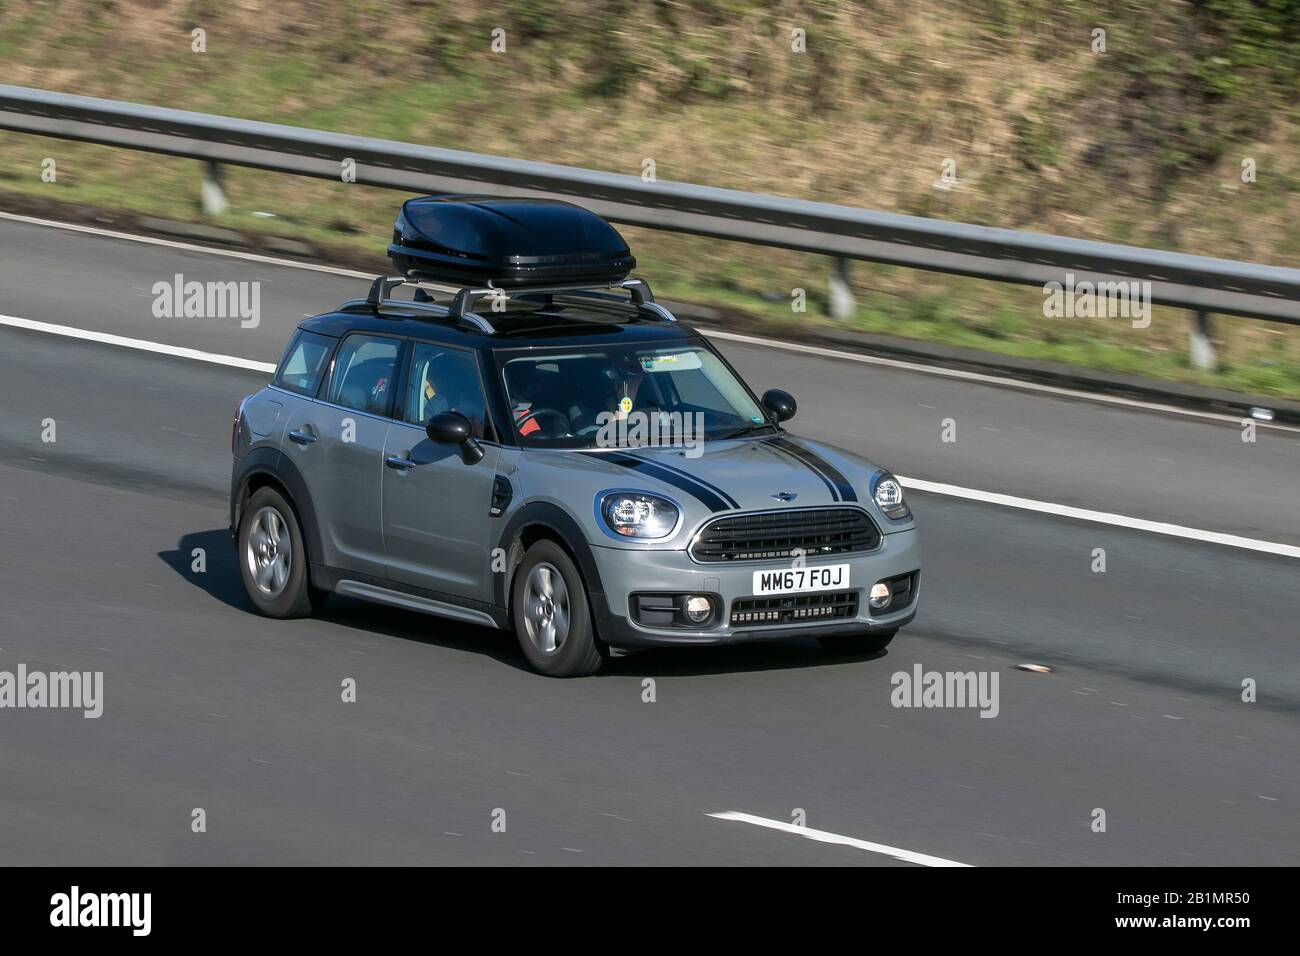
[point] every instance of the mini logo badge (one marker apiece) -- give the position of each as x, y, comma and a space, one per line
785, 495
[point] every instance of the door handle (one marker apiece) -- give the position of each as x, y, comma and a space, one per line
396, 461
302, 438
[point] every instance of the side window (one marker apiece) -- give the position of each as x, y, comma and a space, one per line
304, 363
444, 380
363, 373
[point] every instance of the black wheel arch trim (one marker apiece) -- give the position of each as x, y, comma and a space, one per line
556, 520
270, 461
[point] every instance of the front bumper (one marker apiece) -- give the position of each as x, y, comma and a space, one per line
624, 572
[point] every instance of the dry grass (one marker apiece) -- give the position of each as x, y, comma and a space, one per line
1045, 133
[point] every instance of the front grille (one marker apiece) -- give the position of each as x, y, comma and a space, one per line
794, 609
765, 535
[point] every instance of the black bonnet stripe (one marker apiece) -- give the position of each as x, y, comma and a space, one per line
825, 481
689, 477
834, 478
691, 486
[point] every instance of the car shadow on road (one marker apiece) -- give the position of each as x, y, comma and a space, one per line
427, 629
220, 572
785, 654
220, 578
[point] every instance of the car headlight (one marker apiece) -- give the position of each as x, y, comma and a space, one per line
639, 515
888, 494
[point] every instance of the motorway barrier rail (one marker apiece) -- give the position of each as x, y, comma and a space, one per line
1203, 284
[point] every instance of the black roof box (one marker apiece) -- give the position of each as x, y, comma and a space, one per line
476, 240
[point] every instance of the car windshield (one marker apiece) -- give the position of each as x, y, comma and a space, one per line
629, 395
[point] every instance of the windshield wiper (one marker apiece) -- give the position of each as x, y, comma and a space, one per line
745, 430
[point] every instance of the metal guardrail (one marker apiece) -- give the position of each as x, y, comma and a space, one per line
1199, 283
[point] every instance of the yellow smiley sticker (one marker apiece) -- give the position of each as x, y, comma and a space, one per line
625, 405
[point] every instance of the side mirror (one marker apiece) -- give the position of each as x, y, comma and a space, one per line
781, 404
453, 428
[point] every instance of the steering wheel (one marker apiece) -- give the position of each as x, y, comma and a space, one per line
552, 412
583, 414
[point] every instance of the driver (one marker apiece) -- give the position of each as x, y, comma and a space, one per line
611, 385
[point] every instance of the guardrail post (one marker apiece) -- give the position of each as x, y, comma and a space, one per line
1199, 349
839, 299
212, 196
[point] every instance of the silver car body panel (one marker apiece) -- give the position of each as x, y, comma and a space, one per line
437, 532
424, 536
343, 469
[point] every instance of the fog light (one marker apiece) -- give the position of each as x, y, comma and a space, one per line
698, 609
880, 595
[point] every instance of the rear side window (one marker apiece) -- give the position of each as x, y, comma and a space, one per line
304, 363
363, 373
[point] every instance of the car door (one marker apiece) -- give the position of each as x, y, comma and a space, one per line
435, 506
337, 443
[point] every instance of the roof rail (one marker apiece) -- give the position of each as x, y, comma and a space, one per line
465, 297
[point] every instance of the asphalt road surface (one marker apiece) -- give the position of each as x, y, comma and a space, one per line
207, 705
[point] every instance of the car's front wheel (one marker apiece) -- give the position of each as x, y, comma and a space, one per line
272, 559
868, 642
551, 615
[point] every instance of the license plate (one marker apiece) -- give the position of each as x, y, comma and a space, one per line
828, 577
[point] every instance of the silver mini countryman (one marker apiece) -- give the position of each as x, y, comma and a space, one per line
539, 446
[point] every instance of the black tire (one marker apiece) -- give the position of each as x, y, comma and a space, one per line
578, 652
868, 642
295, 597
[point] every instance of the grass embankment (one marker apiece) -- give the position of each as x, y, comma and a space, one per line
1143, 143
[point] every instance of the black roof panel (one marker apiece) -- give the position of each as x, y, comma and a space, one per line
521, 324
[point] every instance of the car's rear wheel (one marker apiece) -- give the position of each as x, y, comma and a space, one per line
868, 642
551, 615
272, 559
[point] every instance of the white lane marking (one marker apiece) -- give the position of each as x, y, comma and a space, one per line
823, 836
188, 246
733, 336
933, 487
141, 344
1103, 517
990, 379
